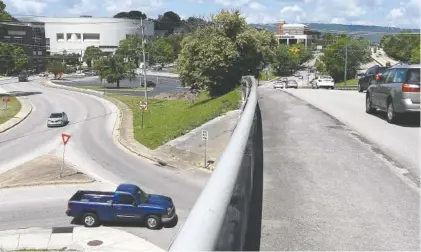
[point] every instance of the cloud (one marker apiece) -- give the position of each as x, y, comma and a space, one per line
256, 6
232, 3
113, 7
29, 6
293, 14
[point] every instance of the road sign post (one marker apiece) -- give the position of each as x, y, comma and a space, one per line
143, 107
205, 136
6, 101
65, 138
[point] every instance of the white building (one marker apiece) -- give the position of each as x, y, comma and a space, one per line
74, 35
295, 33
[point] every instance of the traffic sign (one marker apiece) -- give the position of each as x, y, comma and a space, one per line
143, 105
6, 99
205, 135
65, 138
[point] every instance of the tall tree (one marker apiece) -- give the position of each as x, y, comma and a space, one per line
56, 67
168, 21
131, 49
92, 53
101, 66
4, 15
20, 59
284, 61
401, 46
131, 15
161, 51
116, 69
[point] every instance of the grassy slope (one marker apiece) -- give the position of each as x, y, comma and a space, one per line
351, 82
169, 119
13, 107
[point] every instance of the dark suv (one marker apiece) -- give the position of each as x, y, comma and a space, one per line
23, 76
369, 77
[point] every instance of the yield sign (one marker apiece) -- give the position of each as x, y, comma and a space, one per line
65, 138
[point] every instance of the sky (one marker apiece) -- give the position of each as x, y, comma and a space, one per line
394, 13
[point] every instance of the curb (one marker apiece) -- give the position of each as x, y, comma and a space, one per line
70, 182
24, 112
117, 125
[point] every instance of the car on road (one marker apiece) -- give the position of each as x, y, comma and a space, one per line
23, 76
379, 53
57, 119
369, 77
43, 74
396, 91
279, 84
285, 79
292, 84
323, 81
128, 203
148, 84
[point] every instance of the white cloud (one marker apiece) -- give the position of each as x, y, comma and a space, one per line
293, 14
232, 3
260, 18
256, 6
113, 7
30, 6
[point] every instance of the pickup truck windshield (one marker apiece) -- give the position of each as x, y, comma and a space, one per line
142, 196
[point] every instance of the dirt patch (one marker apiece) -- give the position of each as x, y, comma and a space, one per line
175, 96
44, 170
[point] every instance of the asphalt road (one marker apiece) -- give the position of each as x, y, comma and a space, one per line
163, 85
325, 189
91, 148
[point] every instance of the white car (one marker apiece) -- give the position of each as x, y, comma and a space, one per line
57, 119
292, 84
323, 81
279, 84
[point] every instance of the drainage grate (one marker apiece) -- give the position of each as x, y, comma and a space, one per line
94, 243
62, 230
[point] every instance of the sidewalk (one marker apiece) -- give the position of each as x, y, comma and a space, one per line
74, 239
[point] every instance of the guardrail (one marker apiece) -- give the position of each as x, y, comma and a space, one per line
227, 214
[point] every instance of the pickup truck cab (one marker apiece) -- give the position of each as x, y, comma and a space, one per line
127, 204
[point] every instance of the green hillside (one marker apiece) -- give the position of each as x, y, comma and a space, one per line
373, 33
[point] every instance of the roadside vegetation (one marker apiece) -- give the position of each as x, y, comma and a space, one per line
13, 107
351, 82
167, 119
101, 88
404, 47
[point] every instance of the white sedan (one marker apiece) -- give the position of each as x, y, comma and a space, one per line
279, 84
323, 82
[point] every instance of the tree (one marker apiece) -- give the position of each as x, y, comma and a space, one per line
115, 69
19, 58
175, 42
101, 66
131, 49
56, 67
415, 55
215, 57
334, 57
92, 53
130, 70
168, 21
131, 15
4, 15
285, 61
72, 59
193, 23
161, 51
401, 46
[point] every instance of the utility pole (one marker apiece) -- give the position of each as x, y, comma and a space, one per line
346, 60
144, 61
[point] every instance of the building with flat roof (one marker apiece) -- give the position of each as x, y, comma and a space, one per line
31, 36
75, 34
295, 33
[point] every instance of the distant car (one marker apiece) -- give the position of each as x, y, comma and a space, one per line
279, 84
379, 53
23, 76
148, 84
43, 74
396, 91
57, 119
323, 81
292, 84
297, 74
285, 79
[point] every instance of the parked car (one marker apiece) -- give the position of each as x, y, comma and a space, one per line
148, 84
285, 79
57, 119
43, 74
369, 77
279, 84
128, 203
23, 76
396, 91
292, 84
323, 81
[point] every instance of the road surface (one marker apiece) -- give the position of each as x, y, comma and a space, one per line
91, 148
163, 85
324, 189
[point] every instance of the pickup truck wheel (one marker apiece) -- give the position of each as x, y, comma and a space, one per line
153, 222
90, 220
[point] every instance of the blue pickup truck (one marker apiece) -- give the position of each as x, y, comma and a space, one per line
127, 204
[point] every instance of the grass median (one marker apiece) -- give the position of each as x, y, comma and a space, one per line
13, 107
101, 88
351, 82
167, 119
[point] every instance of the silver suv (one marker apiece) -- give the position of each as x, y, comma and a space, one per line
395, 91
57, 119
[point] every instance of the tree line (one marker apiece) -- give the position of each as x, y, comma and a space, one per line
403, 46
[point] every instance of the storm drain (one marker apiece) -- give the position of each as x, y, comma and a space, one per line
94, 243
62, 230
